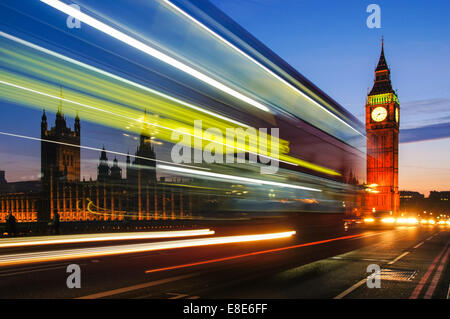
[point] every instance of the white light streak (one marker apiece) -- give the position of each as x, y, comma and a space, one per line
258, 63
85, 238
234, 178
118, 78
55, 255
151, 51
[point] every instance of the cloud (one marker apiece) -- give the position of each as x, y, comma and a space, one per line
423, 113
424, 133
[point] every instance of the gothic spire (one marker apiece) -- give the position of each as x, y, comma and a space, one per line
60, 101
77, 126
382, 83
103, 155
382, 64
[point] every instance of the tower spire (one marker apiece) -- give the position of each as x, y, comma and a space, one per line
382, 83
60, 100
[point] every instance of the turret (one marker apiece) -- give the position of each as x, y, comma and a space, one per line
77, 127
44, 124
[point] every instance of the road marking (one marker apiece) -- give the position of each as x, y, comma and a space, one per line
358, 259
418, 245
437, 276
8, 270
135, 287
352, 288
370, 235
424, 279
398, 258
251, 254
176, 295
30, 271
361, 282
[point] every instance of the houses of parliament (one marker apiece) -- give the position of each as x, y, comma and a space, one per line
138, 195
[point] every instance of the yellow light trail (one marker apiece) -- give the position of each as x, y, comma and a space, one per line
68, 254
117, 78
169, 127
174, 116
120, 117
151, 51
86, 238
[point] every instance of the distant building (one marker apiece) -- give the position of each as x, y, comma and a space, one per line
2, 177
439, 196
408, 196
112, 196
60, 150
439, 202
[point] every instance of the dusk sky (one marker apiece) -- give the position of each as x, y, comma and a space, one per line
330, 44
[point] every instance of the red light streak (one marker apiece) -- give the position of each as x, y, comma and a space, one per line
253, 253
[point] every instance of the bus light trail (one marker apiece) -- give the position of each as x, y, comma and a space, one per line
152, 52
84, 238
120, 79
255, 253
67, 254
226, 42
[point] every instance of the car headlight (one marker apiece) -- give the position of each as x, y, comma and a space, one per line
388, 220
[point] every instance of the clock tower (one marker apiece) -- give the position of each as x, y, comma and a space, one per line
382, 127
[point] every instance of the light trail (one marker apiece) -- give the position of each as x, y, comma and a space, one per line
178, 130
255, 253
94, 149
85, 238
234, 178
257, 63
283, 158
57, 255
151, 51
118, 78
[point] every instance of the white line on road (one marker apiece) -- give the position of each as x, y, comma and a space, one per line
418, 245
135, 287
361, 282
349, 290
398, 258
8, 270
30, 271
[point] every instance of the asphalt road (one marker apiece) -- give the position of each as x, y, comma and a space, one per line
321, 261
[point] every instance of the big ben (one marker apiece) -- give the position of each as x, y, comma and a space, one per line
382, 128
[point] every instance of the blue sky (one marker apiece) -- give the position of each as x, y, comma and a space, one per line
329, 43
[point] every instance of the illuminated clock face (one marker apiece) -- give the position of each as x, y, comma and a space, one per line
396, 115
379, 114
